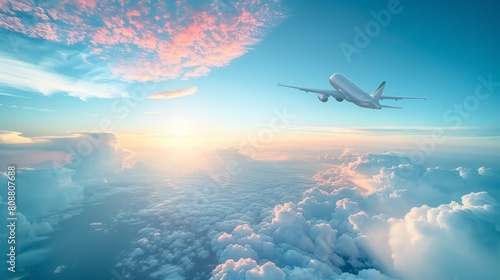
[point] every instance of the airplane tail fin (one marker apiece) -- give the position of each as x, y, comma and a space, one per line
378, 92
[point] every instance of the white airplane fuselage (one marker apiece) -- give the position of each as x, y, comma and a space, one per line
345, 89
352, 92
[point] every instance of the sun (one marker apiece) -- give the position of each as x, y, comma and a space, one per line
181, 133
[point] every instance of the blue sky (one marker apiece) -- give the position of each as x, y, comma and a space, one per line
154, 131
425, 49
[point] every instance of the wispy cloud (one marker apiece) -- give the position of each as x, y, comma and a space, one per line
27, 76
472, 131
28, 108
154, 112
10, 95
149, 40
173, 93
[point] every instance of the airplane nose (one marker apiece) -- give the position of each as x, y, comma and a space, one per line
333, 79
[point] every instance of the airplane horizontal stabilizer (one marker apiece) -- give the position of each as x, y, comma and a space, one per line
387, 106
402, 97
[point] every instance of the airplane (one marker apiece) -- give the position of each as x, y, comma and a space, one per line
348, 90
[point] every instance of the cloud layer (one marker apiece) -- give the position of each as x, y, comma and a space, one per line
149, 40
357, 216
49, 191
429, 242
366, 217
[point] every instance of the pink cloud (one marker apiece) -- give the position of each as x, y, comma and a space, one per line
173, 93
149, 40
47, 31
87, 4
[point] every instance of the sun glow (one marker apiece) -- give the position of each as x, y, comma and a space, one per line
181, 133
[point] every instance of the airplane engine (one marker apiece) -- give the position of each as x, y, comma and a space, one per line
339, 99
322, 97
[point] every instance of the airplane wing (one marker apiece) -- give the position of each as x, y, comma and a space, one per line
402, 97
333, 93
387, 106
